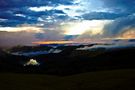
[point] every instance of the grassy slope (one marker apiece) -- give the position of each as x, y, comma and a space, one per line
101, 80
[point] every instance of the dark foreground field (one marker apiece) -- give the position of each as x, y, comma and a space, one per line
71, 69
101, 80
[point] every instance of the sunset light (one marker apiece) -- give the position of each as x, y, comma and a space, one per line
53, 42
93, 27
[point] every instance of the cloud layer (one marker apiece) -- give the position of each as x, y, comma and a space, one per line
55, 17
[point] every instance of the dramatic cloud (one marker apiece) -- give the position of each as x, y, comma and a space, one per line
23, 3
16, 12
25, 35
120, 25
65, 19
128, 34
120, 6
89, 27
22, 29
102, 16
16, 38
50, 35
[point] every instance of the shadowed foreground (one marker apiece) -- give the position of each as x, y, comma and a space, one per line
101, 80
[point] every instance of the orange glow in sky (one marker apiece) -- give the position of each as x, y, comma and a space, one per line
53, 42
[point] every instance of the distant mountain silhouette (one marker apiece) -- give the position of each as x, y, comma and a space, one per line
70, 61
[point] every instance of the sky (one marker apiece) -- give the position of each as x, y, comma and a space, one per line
25, 21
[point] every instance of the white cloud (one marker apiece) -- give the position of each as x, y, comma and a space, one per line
93, 27
21, 29
41, 19
54, 51
2, 20
41, 8
88, 6
70, 10
20, 15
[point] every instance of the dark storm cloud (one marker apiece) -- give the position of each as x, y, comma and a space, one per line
102, 15
29, 17
30, 3
124, 6
9, 9
119, 25
122, 14
111, 9
13, 20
